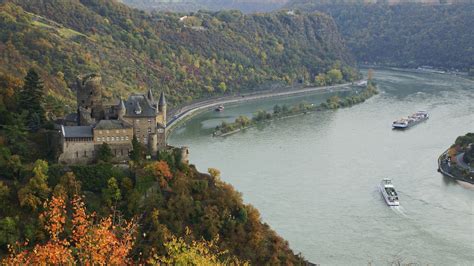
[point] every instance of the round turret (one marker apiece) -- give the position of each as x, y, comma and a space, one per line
89, 94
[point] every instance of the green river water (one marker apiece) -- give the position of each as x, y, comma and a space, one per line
314, 177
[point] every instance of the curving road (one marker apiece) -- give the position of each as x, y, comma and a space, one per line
188, 110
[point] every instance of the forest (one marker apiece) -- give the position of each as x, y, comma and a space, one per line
159, 211
189, 56
403, 35
246, 6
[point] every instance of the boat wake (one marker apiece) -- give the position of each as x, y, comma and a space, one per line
400, 210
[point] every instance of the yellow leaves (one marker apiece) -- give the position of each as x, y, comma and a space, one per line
215, 173
182, 252
43, 44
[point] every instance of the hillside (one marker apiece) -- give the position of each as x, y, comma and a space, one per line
197, 56
404, 35
246, 6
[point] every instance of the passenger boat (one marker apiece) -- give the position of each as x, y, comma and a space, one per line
219, 108
389, 193
411, 120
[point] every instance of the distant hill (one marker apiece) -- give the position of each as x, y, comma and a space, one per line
187, 57
406, 34
246, 6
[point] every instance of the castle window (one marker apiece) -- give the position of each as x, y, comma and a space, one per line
126, 138
122, 138
108, 139
98, 139
145, 140
77, 154
138, 130
138, 138
112, 139
108, 132
117, 131
149, 121
100, 132
149, 130
85, 153
137, 121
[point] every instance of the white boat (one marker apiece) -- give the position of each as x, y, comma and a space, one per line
219, 108
389, 193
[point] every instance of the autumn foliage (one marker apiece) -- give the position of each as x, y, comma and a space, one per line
104, 242
161, 171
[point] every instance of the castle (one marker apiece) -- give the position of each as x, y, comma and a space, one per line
139, 116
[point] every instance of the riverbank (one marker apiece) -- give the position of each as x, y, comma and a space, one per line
456, 162
188, 111
446, 168
281, 112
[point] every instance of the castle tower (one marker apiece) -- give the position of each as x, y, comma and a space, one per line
89, 97
162, 107
153, 144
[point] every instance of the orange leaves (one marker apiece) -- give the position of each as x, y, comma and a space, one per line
52, 253
106, 243
89, 243
161, 171
161, 168
55, 216
81, 221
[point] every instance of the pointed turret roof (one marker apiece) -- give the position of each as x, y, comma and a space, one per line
121, 104
162, 99
149, 96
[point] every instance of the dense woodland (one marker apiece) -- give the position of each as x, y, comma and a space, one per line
203, 54
160, 211
404, 35
246, 6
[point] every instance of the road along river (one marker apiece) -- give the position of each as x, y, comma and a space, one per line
314, 177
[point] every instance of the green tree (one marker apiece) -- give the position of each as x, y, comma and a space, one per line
137, 151
334, 76
242, 121
16, 133
4, 196
222, 87
9, 232
31, 100
276, 109
112, 193
320, 80
104, 153
36, 190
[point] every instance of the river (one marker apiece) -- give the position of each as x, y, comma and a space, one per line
314, 177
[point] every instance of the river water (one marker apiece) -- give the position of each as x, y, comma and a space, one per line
314, 177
